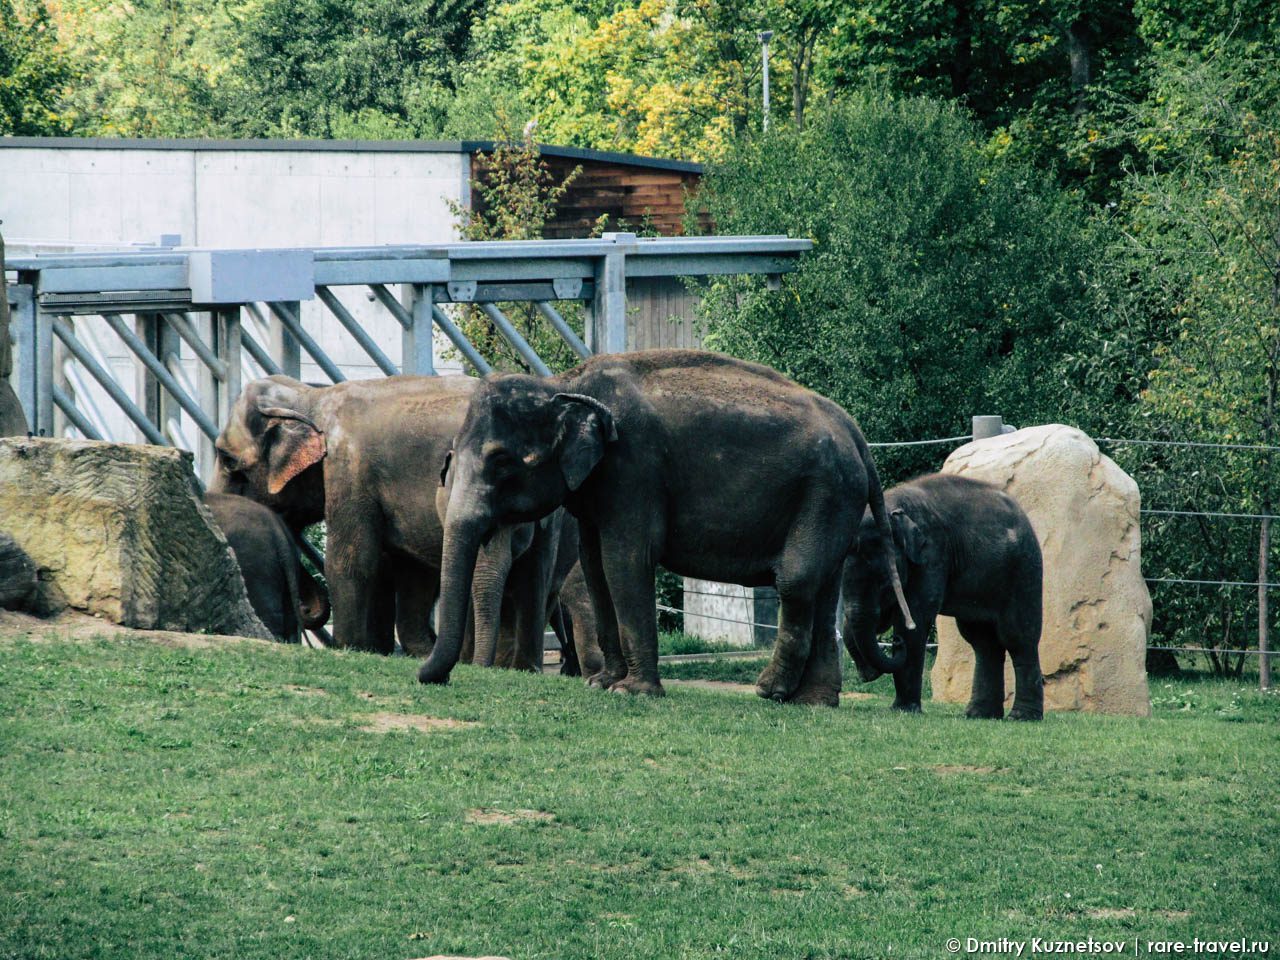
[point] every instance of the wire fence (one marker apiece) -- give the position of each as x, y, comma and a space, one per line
744, 600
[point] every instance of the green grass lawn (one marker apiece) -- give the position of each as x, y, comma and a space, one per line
257, 801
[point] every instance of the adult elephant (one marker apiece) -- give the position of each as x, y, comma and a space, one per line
286, 598
963, 549
351, 455
714, 467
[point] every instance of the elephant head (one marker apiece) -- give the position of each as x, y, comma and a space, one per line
869, 601
271, 448
522, 451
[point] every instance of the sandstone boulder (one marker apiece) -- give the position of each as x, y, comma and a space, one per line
1097, 611
119, 531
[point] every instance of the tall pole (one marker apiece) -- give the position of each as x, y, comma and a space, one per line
765, 37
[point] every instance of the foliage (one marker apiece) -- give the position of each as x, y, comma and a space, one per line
1038, 74
513, 197
942, 284
264, 801
1199, 244
328, 68
34, 72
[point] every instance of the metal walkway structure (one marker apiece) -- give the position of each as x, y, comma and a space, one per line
237, 314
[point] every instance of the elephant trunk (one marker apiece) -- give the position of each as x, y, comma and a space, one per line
490, 580
861, 620
463, 533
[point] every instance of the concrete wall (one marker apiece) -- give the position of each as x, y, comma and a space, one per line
82, 195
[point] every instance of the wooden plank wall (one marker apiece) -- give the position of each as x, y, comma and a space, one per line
661, 312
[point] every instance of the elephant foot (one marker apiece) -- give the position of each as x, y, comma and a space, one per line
570, 668
604, 679
905, 707
774, 684
980, 712
816, 697
634, 685
1030, 714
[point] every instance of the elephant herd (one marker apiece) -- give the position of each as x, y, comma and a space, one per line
515, 501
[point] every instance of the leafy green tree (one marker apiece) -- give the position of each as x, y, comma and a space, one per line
34, 73
1202, 244
325, 68
942, 284
1039, 75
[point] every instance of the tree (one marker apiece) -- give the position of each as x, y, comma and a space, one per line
34, 73
324, 68
1037, 74
941, 284
1203, 243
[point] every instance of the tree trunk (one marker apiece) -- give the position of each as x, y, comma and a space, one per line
1080, 56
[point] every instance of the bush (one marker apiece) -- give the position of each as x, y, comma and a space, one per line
942, 284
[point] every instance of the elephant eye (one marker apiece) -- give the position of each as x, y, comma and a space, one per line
228, 462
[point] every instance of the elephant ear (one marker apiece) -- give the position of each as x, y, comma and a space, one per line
909, 538
293, 443
584, 426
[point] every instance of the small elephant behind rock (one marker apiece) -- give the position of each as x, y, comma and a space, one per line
965, 550
284, 595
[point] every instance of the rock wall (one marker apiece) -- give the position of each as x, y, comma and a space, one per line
118, 530
1097, 611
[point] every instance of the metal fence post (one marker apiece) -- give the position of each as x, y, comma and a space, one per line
160, 408
284, 346
228, 332
607, 330
984, 427
24, 332
416, 353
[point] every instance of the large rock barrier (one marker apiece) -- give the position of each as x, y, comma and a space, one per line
118, 531
1097, 611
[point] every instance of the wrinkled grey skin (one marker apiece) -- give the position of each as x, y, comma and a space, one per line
574, 622
515, 586
647, 450
354, 455
966, 550
285, 597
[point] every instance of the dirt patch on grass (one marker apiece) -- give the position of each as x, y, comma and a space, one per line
1111, 913
726, 686
80, 627
506, 818
388, 722
306, 691
952, 769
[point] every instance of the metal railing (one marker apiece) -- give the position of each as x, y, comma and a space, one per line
231, 315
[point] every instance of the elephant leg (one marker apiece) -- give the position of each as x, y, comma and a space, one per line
1020, 635
562, 624
630, 575
987, 699
782, 676
467, 652
820, 682
614, 667
353, 569
417, 587
908, 682
530, 627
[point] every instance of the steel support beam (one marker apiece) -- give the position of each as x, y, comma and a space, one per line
513, 337
161, 373
416, 348
357, 332
566, 332
61, 327
287, 313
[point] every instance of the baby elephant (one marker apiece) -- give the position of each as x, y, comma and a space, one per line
285, 597
965, 550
